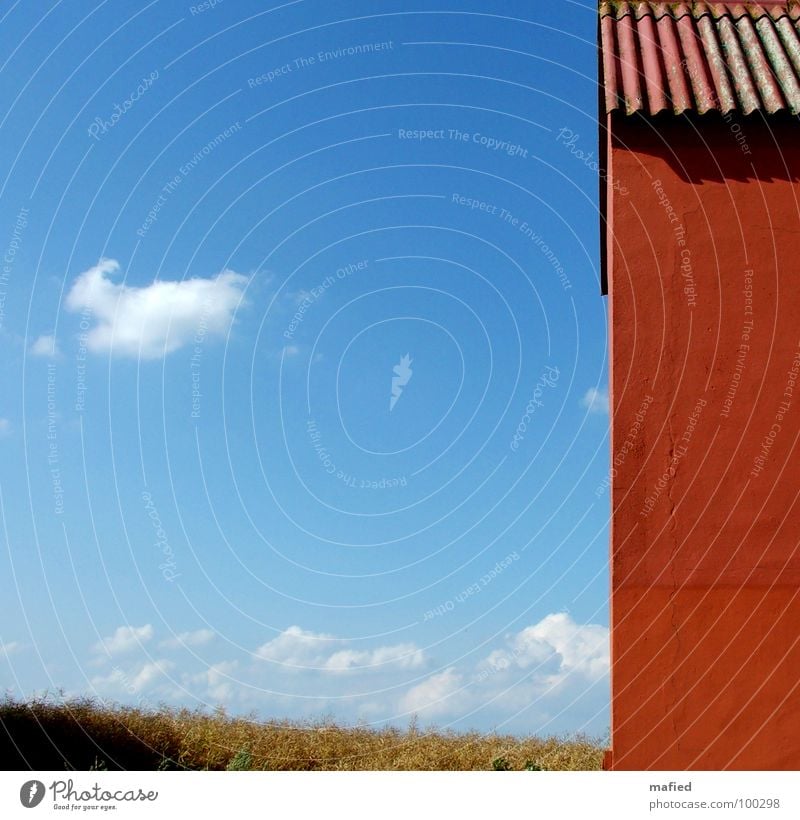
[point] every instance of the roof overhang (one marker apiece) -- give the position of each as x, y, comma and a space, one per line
695, 58
700, 57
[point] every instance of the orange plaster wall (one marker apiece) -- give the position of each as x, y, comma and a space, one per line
705, 539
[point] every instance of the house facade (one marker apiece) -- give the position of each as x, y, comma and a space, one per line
700, 198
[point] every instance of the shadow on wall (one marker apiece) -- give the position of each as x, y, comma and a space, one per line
727, 147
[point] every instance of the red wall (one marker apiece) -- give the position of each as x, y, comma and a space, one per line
705, 541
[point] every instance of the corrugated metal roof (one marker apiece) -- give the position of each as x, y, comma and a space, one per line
701, 57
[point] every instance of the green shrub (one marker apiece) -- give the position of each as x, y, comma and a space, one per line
242, 761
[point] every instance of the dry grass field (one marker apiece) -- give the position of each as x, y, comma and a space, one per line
84, 735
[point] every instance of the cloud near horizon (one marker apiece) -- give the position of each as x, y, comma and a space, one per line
124, 639
199, 637
541, 669
528, 682
301, 649
152, 321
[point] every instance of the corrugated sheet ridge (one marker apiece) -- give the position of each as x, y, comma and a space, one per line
701, 56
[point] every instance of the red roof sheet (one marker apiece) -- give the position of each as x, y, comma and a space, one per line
701, 56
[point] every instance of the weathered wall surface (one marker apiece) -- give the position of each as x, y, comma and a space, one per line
704, 289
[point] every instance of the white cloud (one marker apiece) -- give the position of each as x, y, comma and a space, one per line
404, 655
9, 648
556, 646
441, 693
124, 639
150, 672
299, 648
551, 676
219, 681
197, 638
541, 673
45, 346
595, 400
300, 296
134, 681
5, 427
156, 319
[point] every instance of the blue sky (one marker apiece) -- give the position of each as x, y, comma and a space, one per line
304, 360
